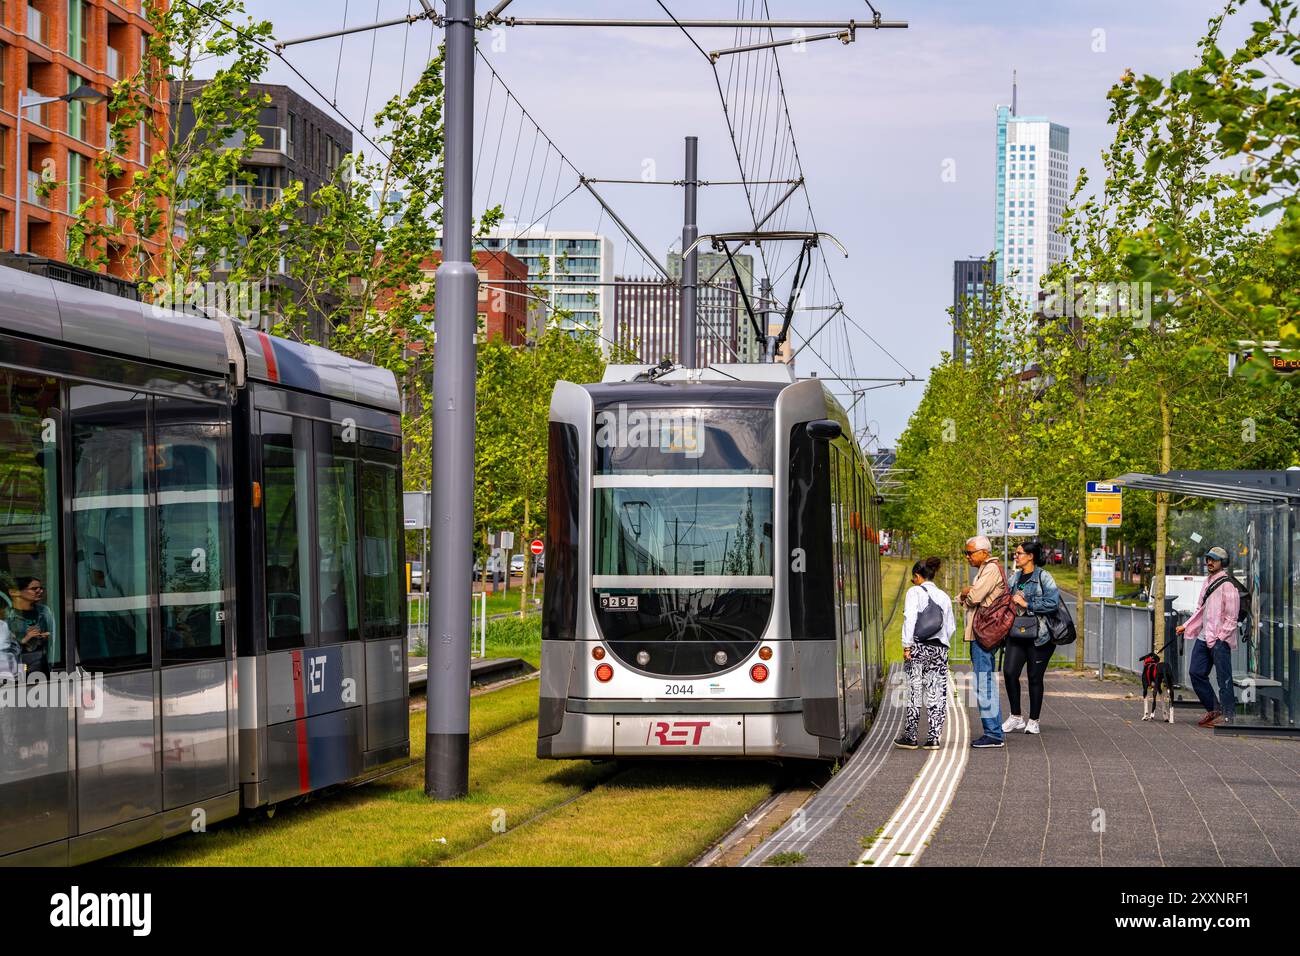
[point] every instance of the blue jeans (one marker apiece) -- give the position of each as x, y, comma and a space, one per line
1198, 669
986, 690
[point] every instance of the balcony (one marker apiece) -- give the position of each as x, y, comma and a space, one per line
255, 197
37, 114
34, 197
37, 26
113, 63
273, 138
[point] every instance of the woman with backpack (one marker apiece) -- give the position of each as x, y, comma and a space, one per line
1035, 595
928, 625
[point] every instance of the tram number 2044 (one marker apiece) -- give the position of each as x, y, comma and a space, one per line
675, 690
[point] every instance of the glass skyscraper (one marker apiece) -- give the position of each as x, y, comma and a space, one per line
1033, 156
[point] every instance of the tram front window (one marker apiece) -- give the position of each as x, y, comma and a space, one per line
30, 636
682, 528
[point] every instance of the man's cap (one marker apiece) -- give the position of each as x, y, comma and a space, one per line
1218, 554
980, 543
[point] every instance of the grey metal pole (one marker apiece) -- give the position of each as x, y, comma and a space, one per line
446, 758
691, 262
20, 169
767, 353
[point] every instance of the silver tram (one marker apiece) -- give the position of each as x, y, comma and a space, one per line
713, 569
214, 516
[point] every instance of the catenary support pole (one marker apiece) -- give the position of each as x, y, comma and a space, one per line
446, 761
691, 261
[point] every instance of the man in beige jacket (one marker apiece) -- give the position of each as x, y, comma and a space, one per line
983, 591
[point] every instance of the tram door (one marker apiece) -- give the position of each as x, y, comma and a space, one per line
34, 790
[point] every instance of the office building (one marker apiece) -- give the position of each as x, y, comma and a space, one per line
972, 281
748, 347
574, 270
647, 312
1032, 184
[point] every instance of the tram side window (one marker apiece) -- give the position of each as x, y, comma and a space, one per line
286, 511
31, 638
382, 595
110, 505
336, 504
192, 511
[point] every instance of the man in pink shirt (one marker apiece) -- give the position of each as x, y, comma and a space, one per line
1212, 628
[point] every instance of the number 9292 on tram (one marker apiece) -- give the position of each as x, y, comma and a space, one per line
713, 572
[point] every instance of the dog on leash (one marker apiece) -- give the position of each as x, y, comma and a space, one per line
1157, 687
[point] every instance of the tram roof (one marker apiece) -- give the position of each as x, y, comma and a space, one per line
36, 305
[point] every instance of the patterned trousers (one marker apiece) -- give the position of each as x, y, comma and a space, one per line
928, 670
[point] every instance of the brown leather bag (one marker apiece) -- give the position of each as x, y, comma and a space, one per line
993, 621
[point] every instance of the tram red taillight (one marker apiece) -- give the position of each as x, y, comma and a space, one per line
758, 673
604, 673
765, 653
598, 652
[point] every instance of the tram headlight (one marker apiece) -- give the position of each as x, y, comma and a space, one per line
598, 652
765, 653
604, 673
642, 658
720, 658
758, 673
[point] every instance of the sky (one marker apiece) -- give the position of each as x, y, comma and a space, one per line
877, 124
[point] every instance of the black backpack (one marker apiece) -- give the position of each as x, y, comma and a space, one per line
1244, 629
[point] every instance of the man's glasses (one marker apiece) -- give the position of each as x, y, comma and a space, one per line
976, 551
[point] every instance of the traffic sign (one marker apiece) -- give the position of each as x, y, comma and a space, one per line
536, 547
1104, 505
1020, 517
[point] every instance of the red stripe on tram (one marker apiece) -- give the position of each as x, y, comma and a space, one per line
268, 353
300, 721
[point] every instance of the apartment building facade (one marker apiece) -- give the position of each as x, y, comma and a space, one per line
49, 48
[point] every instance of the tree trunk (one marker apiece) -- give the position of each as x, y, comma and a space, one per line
1162, 522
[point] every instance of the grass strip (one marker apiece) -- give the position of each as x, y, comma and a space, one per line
661, 814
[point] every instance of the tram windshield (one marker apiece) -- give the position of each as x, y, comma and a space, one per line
682, 523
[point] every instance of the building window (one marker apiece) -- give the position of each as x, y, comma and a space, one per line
76, 109
76, 181
78, 29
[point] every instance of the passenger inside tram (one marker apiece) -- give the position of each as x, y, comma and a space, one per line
30, 624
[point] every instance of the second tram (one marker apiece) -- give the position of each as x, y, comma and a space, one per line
201, 604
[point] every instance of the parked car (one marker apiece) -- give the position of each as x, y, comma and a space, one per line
1058, 555
496, 570
517, 566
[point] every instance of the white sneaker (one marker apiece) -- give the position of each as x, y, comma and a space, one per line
1013, 723
1032, 727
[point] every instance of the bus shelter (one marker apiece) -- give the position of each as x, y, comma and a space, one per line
1255, 516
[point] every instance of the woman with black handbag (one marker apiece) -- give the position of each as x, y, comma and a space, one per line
928, 625
1036, 597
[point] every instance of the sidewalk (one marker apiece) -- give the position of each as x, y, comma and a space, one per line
1168, 794
1098, 787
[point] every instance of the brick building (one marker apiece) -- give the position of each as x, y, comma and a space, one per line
502, 294
50, 48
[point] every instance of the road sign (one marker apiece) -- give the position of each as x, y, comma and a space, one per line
1104, 505
415, 510
536, 547
1020, 517
505, 540
1103, 579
